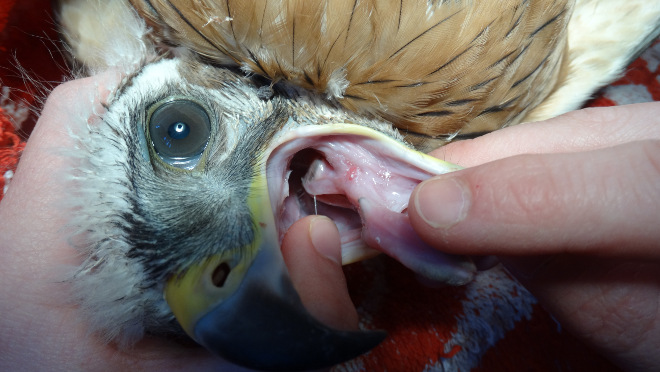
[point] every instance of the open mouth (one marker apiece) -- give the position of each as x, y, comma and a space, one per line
362, 179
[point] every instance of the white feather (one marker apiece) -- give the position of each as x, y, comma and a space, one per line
105, 34
109, 286
603, 37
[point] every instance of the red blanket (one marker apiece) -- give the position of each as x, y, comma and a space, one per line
490, 325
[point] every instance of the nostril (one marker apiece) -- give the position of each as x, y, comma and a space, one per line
220, 274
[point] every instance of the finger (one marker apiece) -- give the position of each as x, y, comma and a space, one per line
37, 256
582, 130
312, 252
610, 303
597, 202
44, 159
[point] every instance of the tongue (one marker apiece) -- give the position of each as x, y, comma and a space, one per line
346, 177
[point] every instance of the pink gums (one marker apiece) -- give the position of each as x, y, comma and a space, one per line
365, 190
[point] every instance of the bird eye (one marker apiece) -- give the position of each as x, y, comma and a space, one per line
179, 132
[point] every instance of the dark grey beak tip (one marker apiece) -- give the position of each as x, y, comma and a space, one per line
306, 355
266, 331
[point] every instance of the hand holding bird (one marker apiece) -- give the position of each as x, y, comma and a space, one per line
40, 318
37, 315
232, 120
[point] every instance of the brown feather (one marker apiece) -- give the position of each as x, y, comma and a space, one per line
436, 70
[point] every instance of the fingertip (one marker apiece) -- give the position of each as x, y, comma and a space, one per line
325, 238
437, 209
442, 202
312, 252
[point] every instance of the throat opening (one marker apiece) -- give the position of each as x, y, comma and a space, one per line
312, 191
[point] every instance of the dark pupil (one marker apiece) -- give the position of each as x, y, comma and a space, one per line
178, 130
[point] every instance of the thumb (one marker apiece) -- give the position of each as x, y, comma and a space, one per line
579, 230
596, 202
312, 252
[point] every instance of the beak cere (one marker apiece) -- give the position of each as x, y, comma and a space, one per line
242, 305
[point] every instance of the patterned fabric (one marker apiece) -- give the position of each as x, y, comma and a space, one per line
10, 150
26, 41
641, 82
493, 324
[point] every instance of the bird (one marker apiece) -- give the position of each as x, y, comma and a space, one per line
234, 119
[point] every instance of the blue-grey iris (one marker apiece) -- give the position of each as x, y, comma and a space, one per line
179, 130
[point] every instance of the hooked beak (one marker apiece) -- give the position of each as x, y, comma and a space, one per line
256, 318
265, 326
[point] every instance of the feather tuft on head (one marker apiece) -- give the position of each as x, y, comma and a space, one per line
105, 34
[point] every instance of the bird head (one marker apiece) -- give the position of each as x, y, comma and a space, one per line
187, 184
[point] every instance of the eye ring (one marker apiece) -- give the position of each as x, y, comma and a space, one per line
179, 130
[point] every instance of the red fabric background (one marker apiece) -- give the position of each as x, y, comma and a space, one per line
27, 34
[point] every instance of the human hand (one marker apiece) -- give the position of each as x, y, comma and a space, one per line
41, 328
575, 219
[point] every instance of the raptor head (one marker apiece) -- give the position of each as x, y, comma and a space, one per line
209, 151
187, 185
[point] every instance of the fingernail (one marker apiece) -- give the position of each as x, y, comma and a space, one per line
325, 238
442, 202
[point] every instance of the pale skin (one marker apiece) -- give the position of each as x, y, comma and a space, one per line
576, 222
